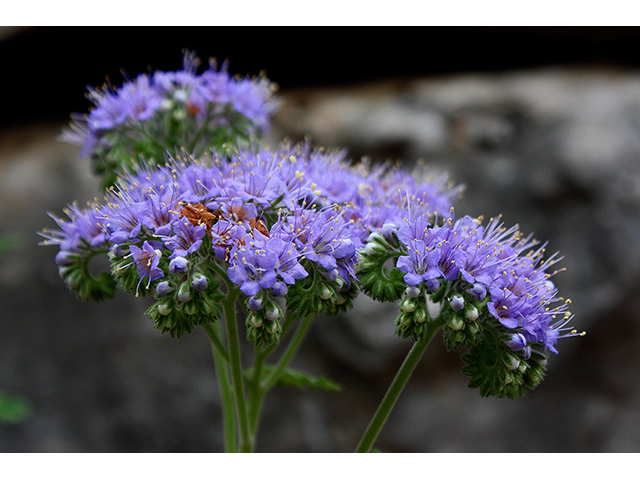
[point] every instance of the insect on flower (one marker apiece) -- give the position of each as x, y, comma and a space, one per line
198, 214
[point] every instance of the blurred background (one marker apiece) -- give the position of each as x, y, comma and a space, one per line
548, 136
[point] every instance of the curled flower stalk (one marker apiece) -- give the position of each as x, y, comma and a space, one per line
253, 243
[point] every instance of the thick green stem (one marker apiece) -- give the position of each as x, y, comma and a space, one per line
396, 387
220, 360
229, 306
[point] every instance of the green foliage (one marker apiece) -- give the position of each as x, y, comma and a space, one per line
14, 408
302, 381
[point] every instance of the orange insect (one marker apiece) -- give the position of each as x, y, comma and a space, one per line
259, 225
198, 214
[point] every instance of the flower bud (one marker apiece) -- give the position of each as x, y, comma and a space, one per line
471, 313
178, 265
254, 320
331, 275
254, 303
165, 308
184, 293
272, 312
199, 282
516, 342
456, 323
408, 305
420, 315
457, 303
64, 258
372, 248
412, 292
190, 308
511, 362
387, 230
478, 291
163, 288
325, 293
432, 285
280, 289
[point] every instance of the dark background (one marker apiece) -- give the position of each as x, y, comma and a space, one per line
46, 70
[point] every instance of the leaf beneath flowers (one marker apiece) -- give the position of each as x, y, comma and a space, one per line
294, 378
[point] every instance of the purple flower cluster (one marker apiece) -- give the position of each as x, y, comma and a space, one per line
271, 217
489, 263
169, 111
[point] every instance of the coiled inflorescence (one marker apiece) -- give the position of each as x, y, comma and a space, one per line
488, 285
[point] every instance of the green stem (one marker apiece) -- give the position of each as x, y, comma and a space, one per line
220, 360
289, 353
229, 306
258, 390
396, 387
213, 332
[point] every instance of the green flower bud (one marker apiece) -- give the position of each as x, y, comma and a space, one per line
325, 292
456, 323
165, 308
471, 312
407, 306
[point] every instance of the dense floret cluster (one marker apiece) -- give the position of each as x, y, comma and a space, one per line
488, 284
281, 224
169, 111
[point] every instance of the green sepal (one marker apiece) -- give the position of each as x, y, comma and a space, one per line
315, 295
491, 367
79, 280
375, 279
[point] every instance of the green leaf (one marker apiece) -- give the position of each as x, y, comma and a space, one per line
294, 378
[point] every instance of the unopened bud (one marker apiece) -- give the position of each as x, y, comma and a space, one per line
456, 323
420, 315
272, 312
199, 282
511, 362
163, 288
471, 313
254, 303
178, 265
325, 293
165, 308
184, 293
408, 305
457, 303
412, 292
